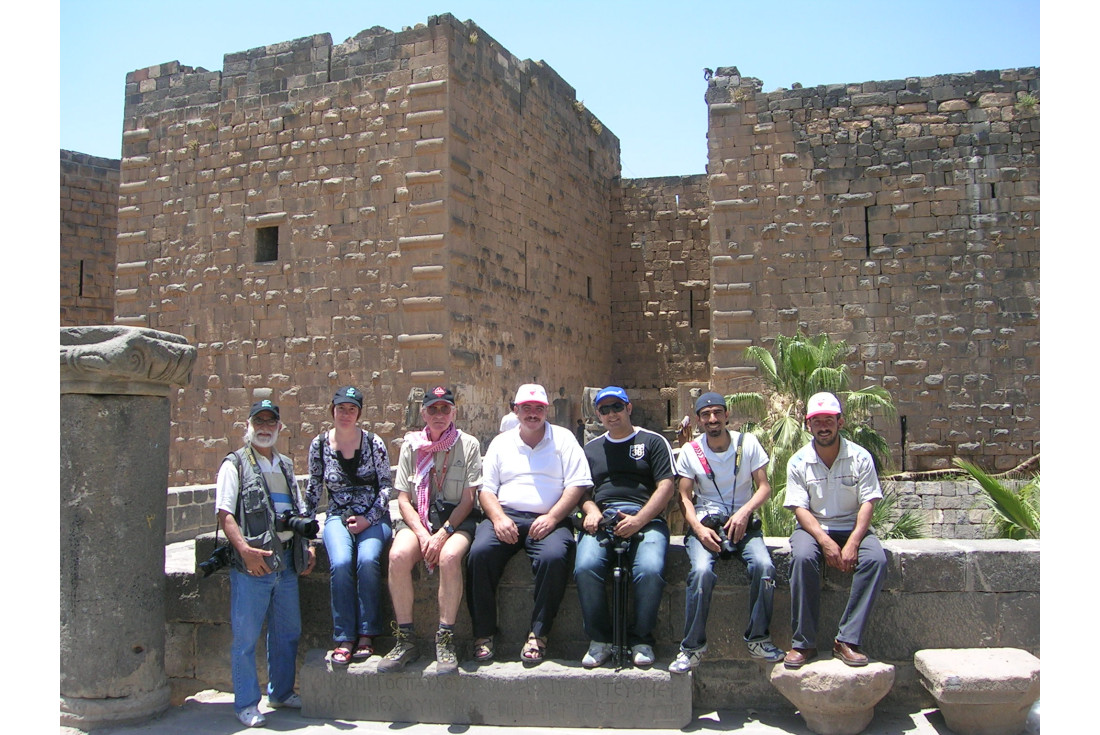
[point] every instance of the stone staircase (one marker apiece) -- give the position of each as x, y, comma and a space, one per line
551, 694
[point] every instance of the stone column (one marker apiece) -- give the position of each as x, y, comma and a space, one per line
115, 425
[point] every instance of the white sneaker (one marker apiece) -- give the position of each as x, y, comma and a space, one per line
597, 655
251, 717
291, 702
766, 650
643, 655
686, 661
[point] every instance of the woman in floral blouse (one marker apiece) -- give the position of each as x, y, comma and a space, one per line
352, 464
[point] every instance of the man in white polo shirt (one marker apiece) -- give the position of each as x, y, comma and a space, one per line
533, 478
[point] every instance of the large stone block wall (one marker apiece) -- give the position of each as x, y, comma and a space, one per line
660, 302
902, 216
532, 175
379, 179
89, 206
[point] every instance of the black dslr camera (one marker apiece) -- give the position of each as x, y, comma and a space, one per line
610, 519
218, 559
717, 523
301, 525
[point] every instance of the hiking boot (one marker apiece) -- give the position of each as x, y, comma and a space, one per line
446, 662
403, 652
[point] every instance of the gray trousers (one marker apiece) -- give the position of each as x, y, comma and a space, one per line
806, 560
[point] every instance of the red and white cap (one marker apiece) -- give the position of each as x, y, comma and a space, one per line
822, 403
531, 393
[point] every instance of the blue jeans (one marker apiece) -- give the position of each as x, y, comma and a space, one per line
252, 600
700, 585
355, 562
646, 560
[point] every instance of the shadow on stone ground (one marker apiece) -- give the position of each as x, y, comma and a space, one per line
211, 713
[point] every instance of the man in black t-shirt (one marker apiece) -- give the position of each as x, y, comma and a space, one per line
631, 475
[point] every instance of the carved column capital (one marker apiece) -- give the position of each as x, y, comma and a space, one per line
117, 360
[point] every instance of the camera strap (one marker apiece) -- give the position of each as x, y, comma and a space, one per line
698, 447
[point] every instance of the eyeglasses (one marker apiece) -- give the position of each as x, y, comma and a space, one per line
265, 422
439, 408
611, 408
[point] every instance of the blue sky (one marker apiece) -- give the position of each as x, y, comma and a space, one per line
638, 66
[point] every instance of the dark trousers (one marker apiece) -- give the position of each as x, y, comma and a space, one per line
806, 559
551, 564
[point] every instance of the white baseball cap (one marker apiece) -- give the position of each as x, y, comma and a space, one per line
822, 403
531, 393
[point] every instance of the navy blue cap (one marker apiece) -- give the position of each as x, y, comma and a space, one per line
348, 394
264, 405
709, 399
440, 393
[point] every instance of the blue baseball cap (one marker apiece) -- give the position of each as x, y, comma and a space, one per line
611, 391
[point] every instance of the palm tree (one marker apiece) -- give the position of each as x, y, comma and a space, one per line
1015, 512
798, 367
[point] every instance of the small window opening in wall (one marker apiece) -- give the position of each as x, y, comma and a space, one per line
677, 204
81, 282
589, 279
267, 244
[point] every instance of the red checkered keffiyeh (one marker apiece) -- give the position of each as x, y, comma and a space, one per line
425, 460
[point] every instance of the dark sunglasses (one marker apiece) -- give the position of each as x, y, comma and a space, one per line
611, 408
437, 408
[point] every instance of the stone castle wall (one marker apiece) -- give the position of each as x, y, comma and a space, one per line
359, 213
902, 216
443, 211
660, 302
89, 203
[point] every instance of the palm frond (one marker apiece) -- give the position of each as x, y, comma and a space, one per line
858, 404
872, 441
765, 362
1015, 518
827, 378
752, 405
891, 524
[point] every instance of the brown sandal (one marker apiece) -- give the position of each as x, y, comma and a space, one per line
534, 650
341, 655
483, 649
364, 648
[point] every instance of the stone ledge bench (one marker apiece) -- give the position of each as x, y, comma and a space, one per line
832, 697
551, 694
981, 691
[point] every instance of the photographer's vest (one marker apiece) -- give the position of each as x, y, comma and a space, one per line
256, 509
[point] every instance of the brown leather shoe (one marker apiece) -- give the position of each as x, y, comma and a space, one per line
797, 657
849, 654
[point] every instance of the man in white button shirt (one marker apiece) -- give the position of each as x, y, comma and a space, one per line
533, 478
832, 488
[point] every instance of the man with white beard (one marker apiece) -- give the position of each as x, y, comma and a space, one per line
256, 490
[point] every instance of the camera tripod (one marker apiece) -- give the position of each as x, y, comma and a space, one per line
619, 591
